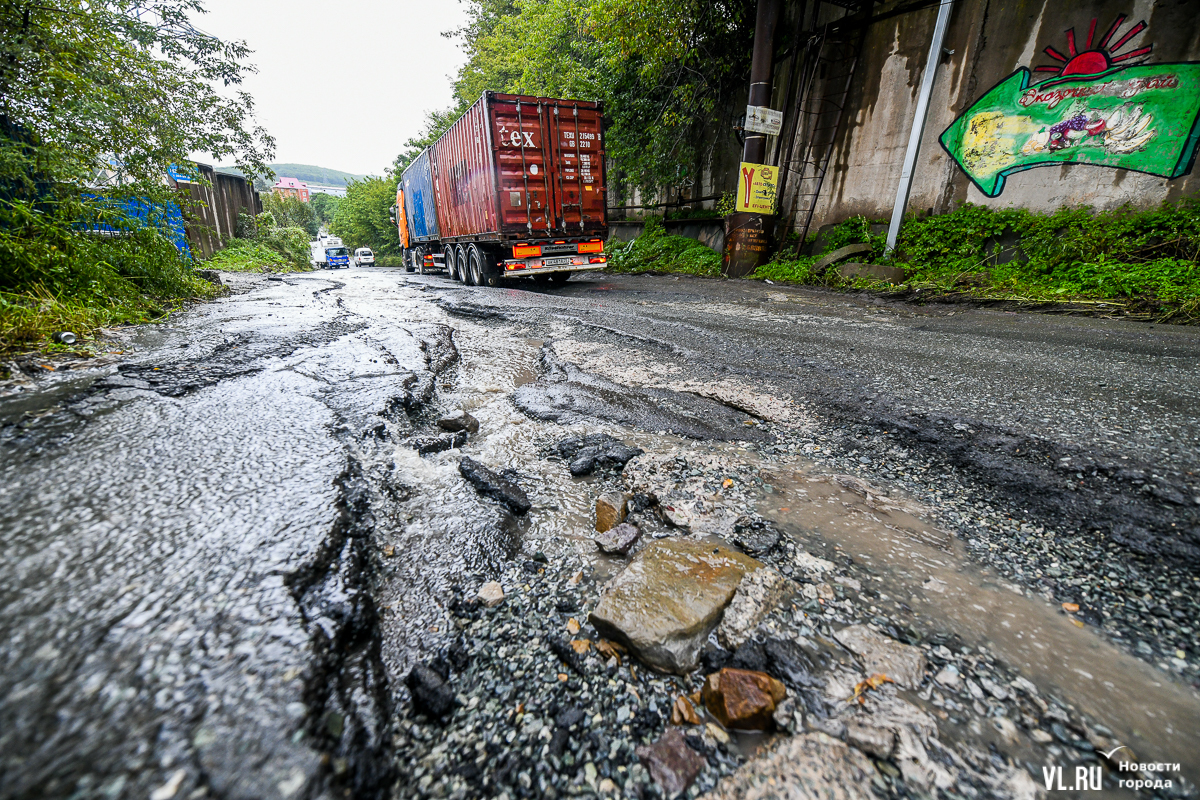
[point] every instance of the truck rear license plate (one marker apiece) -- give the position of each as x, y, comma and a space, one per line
558, 262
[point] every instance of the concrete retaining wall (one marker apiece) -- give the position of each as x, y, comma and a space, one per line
989, 40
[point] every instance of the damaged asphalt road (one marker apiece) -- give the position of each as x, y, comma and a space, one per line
222, 556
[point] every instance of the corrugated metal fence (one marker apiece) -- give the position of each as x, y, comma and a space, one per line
212, 217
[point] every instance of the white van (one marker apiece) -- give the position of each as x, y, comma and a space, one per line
363, 257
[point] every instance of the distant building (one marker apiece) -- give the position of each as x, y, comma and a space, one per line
336, 191
291, 187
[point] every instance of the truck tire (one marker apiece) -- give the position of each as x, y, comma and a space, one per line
462, 267
410, 260
483, 265
419, 262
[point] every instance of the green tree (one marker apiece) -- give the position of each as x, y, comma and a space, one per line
362, 216
324, 206
291, 212
666, 71
98, 98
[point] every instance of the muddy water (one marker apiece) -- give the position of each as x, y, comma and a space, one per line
911, 561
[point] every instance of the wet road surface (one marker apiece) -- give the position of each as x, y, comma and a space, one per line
219, 557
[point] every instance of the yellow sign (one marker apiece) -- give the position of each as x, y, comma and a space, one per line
757, 184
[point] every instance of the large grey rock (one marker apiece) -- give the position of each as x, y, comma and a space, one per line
584, 454
881, 654
800, 768
669, 599
757, 594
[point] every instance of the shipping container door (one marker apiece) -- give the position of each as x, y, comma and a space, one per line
578, 154
522, 137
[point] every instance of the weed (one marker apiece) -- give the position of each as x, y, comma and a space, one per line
656, 251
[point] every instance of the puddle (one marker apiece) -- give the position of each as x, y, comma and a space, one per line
915, 563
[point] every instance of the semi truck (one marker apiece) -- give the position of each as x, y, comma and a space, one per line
514, 188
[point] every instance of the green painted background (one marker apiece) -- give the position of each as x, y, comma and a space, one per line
988, 139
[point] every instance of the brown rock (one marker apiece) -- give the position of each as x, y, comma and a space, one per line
672, 764
459, 421
667, 601
742, 699
610, 510
684, 713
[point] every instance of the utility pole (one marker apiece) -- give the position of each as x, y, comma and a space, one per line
748, 233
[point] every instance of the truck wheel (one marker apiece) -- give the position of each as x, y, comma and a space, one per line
475, 265
485, 268
410, 260
462, 267
418, 262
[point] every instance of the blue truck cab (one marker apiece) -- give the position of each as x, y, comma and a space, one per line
337, 257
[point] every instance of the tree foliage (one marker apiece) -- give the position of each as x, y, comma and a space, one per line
324, 206
362, 220
290, 211
98, 98
664, 69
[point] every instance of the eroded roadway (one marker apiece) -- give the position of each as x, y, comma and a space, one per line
187, 577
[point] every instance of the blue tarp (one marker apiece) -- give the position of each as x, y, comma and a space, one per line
130, 213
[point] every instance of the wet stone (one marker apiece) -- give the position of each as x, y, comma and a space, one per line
880, 654
491, 594
757, 595
618, 540
669, 599
459, 421
672, 764
496, 486
611, 509
586, 454
799, 768
426, 445
742, 699
431, 695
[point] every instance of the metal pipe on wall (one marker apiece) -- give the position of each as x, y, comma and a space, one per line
918, 126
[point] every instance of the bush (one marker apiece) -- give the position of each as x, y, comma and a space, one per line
657, 251
1146, 259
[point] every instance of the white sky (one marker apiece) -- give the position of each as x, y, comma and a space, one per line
343, 84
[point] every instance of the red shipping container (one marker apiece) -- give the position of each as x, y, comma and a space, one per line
521, 168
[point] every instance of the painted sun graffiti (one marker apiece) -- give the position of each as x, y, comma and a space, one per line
1094, 60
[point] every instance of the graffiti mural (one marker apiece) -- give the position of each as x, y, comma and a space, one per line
1097, 106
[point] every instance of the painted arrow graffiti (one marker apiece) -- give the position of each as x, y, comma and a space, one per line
1144, 118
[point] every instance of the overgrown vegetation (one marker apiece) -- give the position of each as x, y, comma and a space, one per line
657, 251
1143, 261
289, 211
97, 101
263, 245
361, 219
